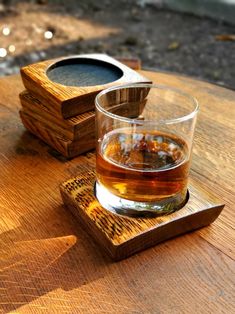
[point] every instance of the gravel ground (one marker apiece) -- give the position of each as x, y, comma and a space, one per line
162, 39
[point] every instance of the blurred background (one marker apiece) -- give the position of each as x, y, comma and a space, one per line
190, 37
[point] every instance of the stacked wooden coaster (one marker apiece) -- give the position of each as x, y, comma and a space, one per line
123, 236
58, 103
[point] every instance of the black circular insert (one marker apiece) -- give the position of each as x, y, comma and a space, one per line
83, 72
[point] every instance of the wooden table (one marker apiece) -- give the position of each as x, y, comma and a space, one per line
48, 264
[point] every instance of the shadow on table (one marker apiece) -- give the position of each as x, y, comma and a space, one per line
35, 266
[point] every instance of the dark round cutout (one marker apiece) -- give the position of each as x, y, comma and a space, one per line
83, 72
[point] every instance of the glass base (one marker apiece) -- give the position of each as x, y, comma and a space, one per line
121, 206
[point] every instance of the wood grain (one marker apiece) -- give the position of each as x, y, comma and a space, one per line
69, 101
72, 129
120, 236
68, 148
49, 264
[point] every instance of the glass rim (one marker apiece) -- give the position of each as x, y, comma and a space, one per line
143, 122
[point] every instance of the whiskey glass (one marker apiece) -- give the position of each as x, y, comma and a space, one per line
144, 137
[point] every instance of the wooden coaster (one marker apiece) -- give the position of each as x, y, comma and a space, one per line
50, 82
121, 236
73, 128
66, 147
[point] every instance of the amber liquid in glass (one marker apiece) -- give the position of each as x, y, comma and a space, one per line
143, 166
